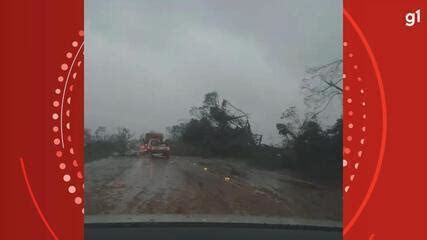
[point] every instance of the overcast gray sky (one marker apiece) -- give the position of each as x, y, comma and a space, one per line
147, 62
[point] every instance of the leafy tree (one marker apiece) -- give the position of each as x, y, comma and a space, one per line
316, 151
121, 140
217, 127
101, 133
176, 131
290, 125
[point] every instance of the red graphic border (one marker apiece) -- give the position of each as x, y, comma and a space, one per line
36, 204
386, 200
377, 72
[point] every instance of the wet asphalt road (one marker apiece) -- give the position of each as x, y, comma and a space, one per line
189, 185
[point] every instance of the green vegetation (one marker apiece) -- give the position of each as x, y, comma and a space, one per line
217, 128
217, 131
102, 145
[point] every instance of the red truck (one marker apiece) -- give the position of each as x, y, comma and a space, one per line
155, 146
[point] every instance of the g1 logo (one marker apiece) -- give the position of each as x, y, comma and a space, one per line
412, 18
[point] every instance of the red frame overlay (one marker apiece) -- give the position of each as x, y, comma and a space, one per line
35, 200
41, 128
389, 197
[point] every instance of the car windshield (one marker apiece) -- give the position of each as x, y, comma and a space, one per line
246, 94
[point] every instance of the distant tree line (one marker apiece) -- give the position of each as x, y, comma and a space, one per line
101, 144
217, 128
